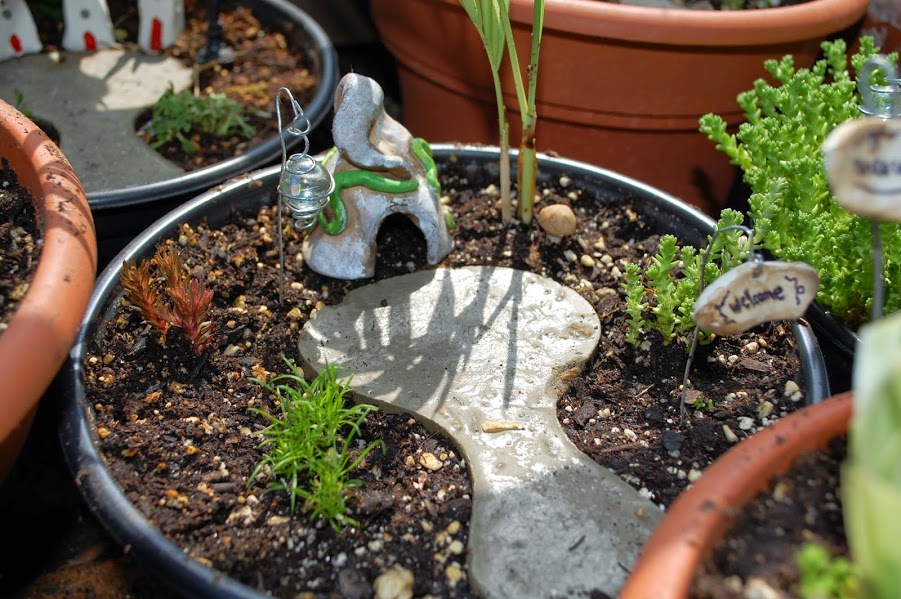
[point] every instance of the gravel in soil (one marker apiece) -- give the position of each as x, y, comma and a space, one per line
177, 432
20, 243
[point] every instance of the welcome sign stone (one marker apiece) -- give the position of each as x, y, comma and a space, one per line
863, 166
754, 293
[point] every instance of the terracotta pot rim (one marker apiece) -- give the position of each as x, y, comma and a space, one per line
811, 20
43, 328
700, 515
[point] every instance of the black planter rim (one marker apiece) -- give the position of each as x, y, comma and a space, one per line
104, 497
324, 56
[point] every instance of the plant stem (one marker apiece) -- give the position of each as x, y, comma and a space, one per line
504, 164
528, 160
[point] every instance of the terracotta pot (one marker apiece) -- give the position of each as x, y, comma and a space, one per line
44, 326
701, 515
619, 86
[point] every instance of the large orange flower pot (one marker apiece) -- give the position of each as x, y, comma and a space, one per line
619, 86
700, 516
43, 328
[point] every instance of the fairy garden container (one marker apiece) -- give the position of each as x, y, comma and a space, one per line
157, 102
49, 260
496, 355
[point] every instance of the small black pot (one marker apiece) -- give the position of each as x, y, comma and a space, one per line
120, 214
80, 446
838, 344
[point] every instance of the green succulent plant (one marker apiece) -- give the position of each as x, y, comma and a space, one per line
791, 208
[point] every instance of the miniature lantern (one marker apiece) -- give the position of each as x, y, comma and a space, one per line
88, 25
18, 33
883, 101
161, 22
304, 185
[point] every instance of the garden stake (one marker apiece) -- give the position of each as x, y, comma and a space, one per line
874, 99
749, 294
860, 165
304, 185
694, 333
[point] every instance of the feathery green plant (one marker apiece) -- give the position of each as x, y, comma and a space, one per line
792, 210
662, 295
492, 21
308, 448
176, 115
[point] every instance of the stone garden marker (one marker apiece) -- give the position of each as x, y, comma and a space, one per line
483, 354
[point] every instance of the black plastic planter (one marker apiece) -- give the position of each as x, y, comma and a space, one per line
77, 431
122, 213
838, 344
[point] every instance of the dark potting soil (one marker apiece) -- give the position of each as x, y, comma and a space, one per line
20, 243
263, 61
178, 435
802, 506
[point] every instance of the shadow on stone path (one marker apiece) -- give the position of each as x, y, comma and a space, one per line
481, 354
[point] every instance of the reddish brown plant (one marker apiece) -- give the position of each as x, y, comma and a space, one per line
169, 298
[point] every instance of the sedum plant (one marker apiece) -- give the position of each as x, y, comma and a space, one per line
492, 21
661, 296
166, 297
791, 208
871, 476
177, 115
825, 577
309, 447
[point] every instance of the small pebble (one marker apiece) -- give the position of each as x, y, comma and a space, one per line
745, 423
394, 583
672, 441
429, 461
454, 574
494, 426
791, 387
757, 588
731, 437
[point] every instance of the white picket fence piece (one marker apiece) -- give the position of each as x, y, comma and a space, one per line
18, 32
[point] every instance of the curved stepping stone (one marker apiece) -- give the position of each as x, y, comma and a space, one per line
482, 353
